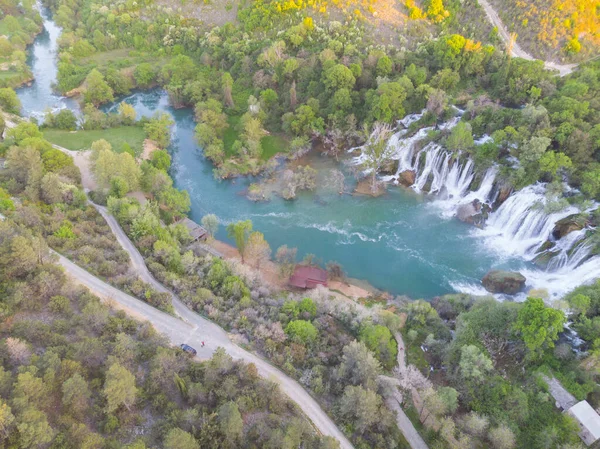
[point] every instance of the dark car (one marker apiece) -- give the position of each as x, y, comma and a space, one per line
188, 349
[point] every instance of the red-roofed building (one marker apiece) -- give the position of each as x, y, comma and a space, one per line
308, 277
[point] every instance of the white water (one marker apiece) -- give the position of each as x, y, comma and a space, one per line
518, 228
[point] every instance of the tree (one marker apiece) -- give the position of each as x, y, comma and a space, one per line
338, 77
258, 249
532, 150
437, 102
180, 439
552, 162
127, 113
210, 222
449, 397
475, 424
502, 437
360, 407
158, 129
144, 75
302, 331
18, 351
286, 258
473, 363
461, 137
161, 159
76, 394
231, 423
590, 182
227, 83
240, 233
388, 104
377, 152
7, 420
9, 101
539, 325
97, 89
379, 339
34, 429
436, 10
119, 388
359, 366
107, 165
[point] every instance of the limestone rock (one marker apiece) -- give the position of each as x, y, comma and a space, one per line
407, 178
568, 224
508, 282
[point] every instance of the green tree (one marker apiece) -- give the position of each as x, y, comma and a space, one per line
34, 429
360, 407
7, 420
380, 340
9, 101
474, 364
539, 325
180, 439
76, 394
461, 137
97, 89
590, 182
119, 388
145, 75
161, 159
338, 77
240, 233
552, 162
227, 83
302, 331
210, 222
359, 366
231, 423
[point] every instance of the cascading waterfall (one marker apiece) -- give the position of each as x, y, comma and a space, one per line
518, 228
521, 225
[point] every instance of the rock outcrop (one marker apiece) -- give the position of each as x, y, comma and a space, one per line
474, 213
508, 282
407, 178
569, 224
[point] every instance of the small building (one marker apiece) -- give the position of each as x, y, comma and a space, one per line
197, 232
588, 420
308, 277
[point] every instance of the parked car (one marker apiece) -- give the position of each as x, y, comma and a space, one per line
188, 349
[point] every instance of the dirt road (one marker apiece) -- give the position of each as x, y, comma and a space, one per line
198, 329
517, 51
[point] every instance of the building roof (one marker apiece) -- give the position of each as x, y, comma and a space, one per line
308, 277
588, 417
196, 231
563, 398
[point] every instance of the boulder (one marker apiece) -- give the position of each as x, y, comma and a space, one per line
407, 178
475, 213
569, 224
503, 195
508, 282
466, 212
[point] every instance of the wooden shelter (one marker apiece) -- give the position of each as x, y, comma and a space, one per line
308, 277
197, 232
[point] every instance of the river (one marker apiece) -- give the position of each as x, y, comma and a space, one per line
399, 242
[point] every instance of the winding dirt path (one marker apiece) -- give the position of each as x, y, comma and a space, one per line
517, 50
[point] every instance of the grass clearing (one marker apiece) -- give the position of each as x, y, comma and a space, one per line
272, 145
231, 134
82, 140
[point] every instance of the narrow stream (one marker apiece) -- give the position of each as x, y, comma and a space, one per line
398, 242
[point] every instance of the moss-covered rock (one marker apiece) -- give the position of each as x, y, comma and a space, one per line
569, 224
509, 282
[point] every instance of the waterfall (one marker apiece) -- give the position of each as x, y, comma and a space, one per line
516, 230
520, 226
